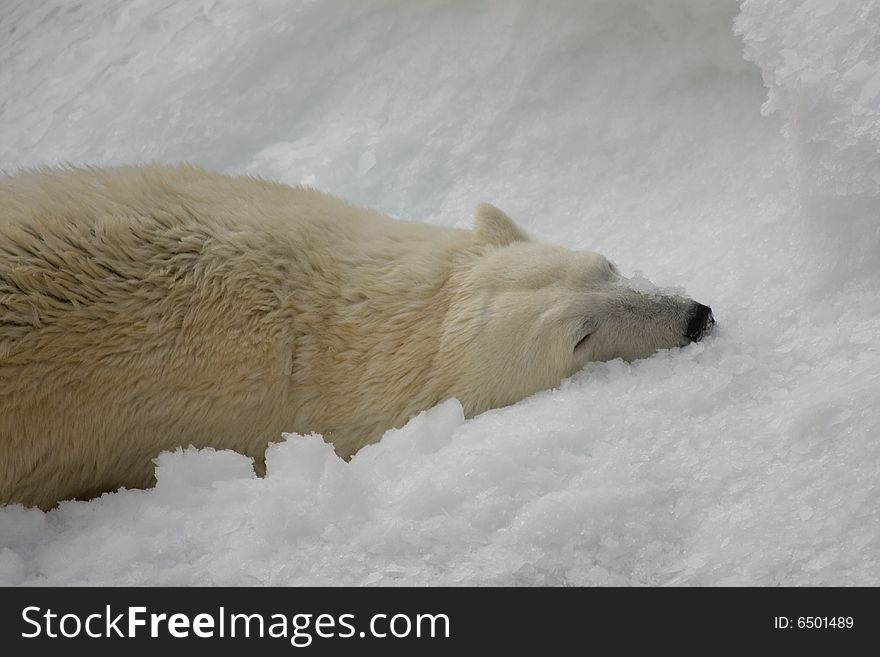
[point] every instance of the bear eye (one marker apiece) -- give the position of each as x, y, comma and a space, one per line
582, 341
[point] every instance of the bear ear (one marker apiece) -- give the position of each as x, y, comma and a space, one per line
492, 226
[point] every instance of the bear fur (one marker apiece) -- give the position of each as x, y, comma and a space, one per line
151, 307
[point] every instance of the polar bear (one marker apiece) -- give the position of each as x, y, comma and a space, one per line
150, 307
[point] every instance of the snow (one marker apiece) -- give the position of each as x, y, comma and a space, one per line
733, 151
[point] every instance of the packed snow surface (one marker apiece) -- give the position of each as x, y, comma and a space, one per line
729, 149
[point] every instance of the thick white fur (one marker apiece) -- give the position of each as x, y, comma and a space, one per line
146, 308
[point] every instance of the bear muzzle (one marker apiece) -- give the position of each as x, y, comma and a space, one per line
700, 324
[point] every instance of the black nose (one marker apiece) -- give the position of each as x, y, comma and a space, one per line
700, 323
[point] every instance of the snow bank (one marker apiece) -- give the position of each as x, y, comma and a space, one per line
633, 128
820, 61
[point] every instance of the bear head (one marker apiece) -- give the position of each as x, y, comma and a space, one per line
528, 314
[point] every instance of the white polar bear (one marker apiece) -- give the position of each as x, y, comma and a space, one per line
146, 308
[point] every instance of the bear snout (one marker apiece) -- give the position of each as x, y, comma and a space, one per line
700, 323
